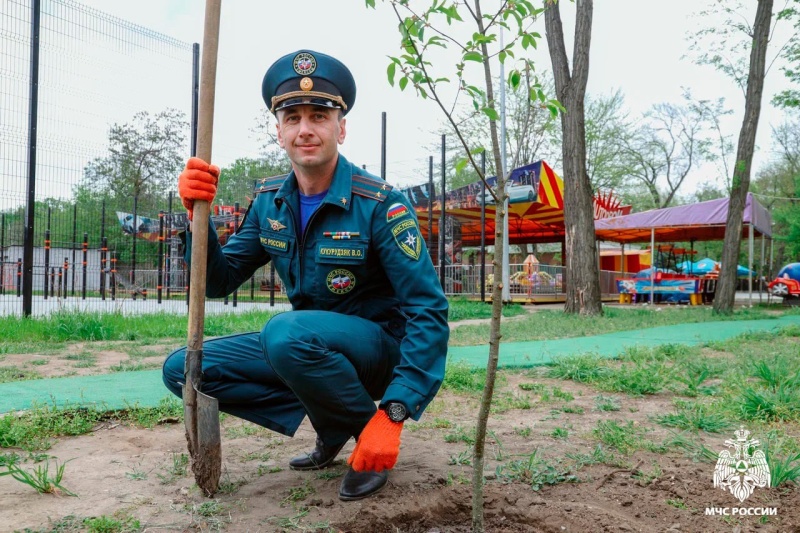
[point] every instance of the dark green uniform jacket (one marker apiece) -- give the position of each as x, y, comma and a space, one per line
362, 254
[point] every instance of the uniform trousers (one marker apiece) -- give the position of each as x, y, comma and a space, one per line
329, 366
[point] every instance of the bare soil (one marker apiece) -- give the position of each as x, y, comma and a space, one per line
128, 473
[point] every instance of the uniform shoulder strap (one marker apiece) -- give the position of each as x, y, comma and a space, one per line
370, 187
269, 184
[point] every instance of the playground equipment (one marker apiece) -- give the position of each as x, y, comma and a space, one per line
787, 284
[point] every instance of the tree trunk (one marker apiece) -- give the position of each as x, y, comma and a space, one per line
582, 277
726, 289
497, 301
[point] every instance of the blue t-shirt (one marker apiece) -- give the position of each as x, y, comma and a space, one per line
309, 204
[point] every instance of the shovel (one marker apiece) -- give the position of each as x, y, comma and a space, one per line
201, 412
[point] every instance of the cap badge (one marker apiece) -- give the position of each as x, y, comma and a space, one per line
275, 225
306, 84
304, 64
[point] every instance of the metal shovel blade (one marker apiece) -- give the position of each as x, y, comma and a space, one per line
201, 415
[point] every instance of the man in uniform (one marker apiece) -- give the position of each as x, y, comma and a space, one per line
369, 318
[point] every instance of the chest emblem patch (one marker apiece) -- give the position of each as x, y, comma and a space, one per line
406, 235
275, 225
396, 211
340, 281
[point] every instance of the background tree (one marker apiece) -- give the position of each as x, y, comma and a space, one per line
608, 132
144, 157
665, 148
777, 187
726, 289
531, 133
582, 276
434, 26
236, 180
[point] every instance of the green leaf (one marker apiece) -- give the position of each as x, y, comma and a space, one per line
491, 113
403, 83
473, 56
502, 56
478, 150
390, 73
370, 3
461, 164
514, 78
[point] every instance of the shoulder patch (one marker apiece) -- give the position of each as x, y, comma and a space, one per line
269, 184
406, 235
370, 187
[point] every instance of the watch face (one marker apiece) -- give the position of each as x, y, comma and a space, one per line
396, 412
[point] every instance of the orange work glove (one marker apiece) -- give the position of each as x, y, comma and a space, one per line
378, 446
198, 181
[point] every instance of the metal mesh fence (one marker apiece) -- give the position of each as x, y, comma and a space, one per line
112, 131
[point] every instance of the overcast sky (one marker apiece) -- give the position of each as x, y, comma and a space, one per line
637, 46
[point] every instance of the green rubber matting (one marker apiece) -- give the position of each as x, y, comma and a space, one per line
145, 388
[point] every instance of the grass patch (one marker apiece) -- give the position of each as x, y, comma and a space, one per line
461, 377
463, 309
783, 460
585, 368
13, 373
692, 448
625, 437
606, 403
534, 471
694, 416
599, 455
40, 478
71, 327
36, 429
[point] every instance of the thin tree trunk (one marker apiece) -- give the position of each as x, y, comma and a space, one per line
726, 289
582, 273
497, 302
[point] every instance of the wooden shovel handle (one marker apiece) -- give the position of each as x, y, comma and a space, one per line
205, 128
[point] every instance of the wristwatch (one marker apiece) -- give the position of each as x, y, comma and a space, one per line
396, 411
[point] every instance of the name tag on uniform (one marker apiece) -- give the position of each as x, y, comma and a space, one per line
352, 252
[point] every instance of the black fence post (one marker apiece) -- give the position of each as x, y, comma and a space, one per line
65, 280
133, 245
74, 242
271, 284
19, 277
2, 253
52, 281
103, 251
430, 206
60, 281
168, 262
442, 217
103, 266
235, 228
46, 259
160, 285
113, 276
383, 145
85, 262
30, 204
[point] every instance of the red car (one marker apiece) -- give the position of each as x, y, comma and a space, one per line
787, 284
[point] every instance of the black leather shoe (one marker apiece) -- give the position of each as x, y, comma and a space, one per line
320, 458
357, 485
